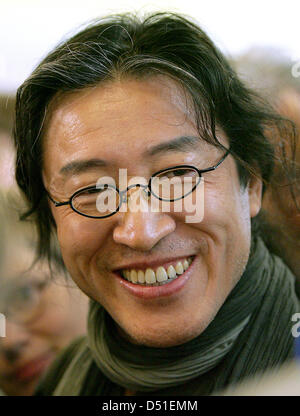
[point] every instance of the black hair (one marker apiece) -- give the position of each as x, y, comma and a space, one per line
130, 46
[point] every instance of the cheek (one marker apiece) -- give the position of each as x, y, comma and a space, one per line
81, 240
56, 323
228, 213
223, 208
226, 226
78, 236
55, 315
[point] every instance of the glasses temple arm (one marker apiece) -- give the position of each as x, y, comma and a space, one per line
57, 204
218, 164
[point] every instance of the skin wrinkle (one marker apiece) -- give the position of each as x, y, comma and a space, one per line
92, 248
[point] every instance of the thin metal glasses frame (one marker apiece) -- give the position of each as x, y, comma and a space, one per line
148, 186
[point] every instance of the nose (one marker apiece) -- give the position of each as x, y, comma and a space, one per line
142, 229
13, 345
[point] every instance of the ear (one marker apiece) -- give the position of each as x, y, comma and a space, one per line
255, 195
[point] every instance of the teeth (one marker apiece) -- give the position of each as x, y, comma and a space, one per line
185, 265
179, 268
150, 276
133, 276
171, 272
161, 276
141, 276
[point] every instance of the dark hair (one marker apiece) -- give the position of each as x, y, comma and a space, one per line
128, 46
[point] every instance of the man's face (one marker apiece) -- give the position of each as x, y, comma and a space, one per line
126, 125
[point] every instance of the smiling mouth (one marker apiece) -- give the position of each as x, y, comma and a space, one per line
159, 276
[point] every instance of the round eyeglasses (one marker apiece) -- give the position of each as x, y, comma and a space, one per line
105, 200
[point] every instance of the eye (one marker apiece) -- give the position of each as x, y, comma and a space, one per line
22, 303
25, 293
180, 172
174, 184
88, 196
24, 297
97, 201
177, 173
96, 190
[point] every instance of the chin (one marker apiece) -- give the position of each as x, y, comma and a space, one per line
162, 338
161, 342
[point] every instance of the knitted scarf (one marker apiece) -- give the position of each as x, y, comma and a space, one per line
253, 324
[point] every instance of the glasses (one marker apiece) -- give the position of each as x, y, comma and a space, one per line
105, 200
21, 303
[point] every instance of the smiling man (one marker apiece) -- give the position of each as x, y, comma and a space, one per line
177, 306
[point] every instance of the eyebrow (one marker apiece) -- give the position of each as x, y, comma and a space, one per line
179, 144
78, 166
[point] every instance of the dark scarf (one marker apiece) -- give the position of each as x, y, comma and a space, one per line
250, 333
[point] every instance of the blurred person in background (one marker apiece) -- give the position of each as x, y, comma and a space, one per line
6, 144
43, 312
282, 218
270, 74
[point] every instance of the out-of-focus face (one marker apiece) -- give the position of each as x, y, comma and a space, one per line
281, 211
42, 317
131, 125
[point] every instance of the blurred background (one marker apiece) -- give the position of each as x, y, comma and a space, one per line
30, 28
267, 32
260, 38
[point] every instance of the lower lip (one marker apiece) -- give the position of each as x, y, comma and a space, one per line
153, 292
33, 369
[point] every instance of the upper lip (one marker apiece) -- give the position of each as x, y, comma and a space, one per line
141, 265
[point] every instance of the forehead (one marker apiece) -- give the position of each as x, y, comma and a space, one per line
116, 99
117, 117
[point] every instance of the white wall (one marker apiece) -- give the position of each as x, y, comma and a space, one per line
29, 28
